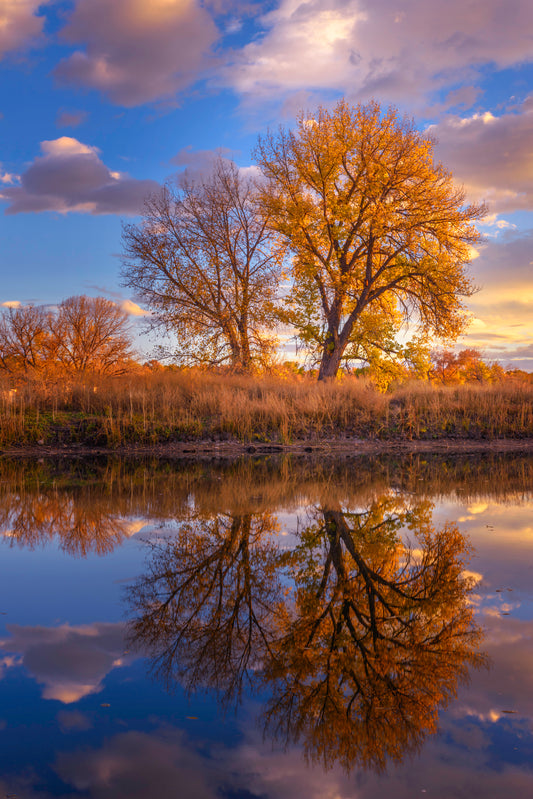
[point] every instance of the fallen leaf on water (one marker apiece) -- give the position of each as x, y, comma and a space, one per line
192, 718
105, 704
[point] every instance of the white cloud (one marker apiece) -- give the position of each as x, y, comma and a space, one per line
70, 176
137, 52
196, 165
502, 311
133, 309
491, 156
20, 25
65, 146
11, 304
8, 177
376, 49
70, 119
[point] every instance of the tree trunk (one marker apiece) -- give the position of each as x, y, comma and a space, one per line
330, 364
334, 347
332, 353
246, 357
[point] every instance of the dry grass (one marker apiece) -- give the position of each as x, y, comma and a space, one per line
183, 406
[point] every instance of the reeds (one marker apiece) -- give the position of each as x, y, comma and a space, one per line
192, 405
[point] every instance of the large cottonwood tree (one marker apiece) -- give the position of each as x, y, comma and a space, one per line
207, 264
373, 223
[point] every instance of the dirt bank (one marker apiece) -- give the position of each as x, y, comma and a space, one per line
232, 449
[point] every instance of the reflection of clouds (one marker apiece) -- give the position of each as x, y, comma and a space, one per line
73, 720
496, 611
478, 507
136, 764
8, 662
472, 576
508, 684
139, 765
133, 526
70, 662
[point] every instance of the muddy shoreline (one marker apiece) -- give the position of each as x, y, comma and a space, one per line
234, 449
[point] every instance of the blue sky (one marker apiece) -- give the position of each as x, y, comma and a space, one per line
101, 101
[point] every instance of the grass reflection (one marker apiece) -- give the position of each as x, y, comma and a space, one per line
89, 504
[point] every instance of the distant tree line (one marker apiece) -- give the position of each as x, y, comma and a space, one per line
82, 335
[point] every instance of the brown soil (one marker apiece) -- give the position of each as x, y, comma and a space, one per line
232, 449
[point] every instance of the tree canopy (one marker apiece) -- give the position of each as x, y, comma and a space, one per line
375, 227
207, 265
82, 335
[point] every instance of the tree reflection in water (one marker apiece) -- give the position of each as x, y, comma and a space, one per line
360, 634
82, 524
210, 605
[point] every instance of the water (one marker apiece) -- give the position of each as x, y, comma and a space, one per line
267, 629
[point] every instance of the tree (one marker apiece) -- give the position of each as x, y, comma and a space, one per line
84, 334
372, 222
24, 340
466, 366
208, 266
90, 334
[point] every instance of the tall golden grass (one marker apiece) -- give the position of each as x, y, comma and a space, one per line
193, 405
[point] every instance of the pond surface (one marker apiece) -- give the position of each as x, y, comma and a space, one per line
266, 629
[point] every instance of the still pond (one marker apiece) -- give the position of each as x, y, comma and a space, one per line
267, 628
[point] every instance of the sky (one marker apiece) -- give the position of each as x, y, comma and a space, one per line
102, 101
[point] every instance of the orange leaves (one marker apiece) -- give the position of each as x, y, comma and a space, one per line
366, 212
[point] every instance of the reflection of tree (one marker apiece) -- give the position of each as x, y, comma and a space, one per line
381, 635
81, 527
360, 637
105, 490
211, 601
82, 505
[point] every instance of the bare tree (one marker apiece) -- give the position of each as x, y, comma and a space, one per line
24, 339
85, 334
90, 334
208, 266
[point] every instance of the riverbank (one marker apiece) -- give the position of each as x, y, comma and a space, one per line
231, 449
193, 412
